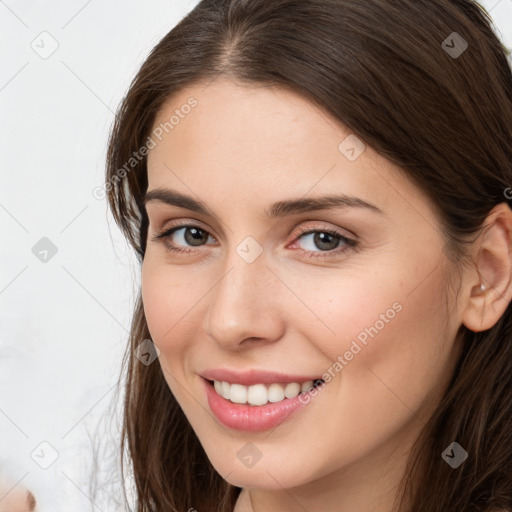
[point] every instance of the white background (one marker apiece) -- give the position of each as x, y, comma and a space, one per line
64, 323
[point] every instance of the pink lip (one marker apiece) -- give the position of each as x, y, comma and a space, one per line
250, 377
250, 418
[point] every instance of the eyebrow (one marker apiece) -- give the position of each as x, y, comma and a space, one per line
278, 209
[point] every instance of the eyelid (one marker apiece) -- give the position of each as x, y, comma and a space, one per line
350, 241
308, 227
183, 223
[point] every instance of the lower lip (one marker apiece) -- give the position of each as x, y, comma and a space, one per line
250, 418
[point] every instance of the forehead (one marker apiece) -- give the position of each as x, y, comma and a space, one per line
241, 140
245, 117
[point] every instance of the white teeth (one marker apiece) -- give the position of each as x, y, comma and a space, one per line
275, 393
225, 390
260, 394
291, 390
256, 394
238, 394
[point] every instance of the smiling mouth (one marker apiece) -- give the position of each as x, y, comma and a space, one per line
261, 394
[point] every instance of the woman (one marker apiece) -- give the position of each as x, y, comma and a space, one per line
318, 192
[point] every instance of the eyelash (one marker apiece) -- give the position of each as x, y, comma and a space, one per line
350, 243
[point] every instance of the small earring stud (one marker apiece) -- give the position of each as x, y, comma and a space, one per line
482, 287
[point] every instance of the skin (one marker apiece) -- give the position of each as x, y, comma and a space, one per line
240, 150
15, 499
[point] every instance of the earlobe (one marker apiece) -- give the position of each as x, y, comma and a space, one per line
490, 289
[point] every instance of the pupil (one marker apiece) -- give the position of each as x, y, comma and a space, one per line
196, 235
320, 241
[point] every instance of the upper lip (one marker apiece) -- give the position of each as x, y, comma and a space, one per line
249, 377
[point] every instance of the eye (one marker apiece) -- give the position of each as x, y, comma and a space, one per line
190, 234
184, 238
327, 240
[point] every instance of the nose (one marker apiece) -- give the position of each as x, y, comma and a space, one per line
245, 305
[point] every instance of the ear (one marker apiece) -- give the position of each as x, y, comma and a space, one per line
493, 250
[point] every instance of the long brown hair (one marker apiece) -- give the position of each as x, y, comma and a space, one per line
385, 70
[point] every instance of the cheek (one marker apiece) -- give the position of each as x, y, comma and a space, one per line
381, 329
168, 295
346, 310
391, 349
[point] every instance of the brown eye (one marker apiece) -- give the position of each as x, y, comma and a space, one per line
182, 238
194, 236
323, 242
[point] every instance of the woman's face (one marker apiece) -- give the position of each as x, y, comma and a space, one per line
272, 277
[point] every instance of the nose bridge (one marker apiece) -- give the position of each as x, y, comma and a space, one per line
242, 304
